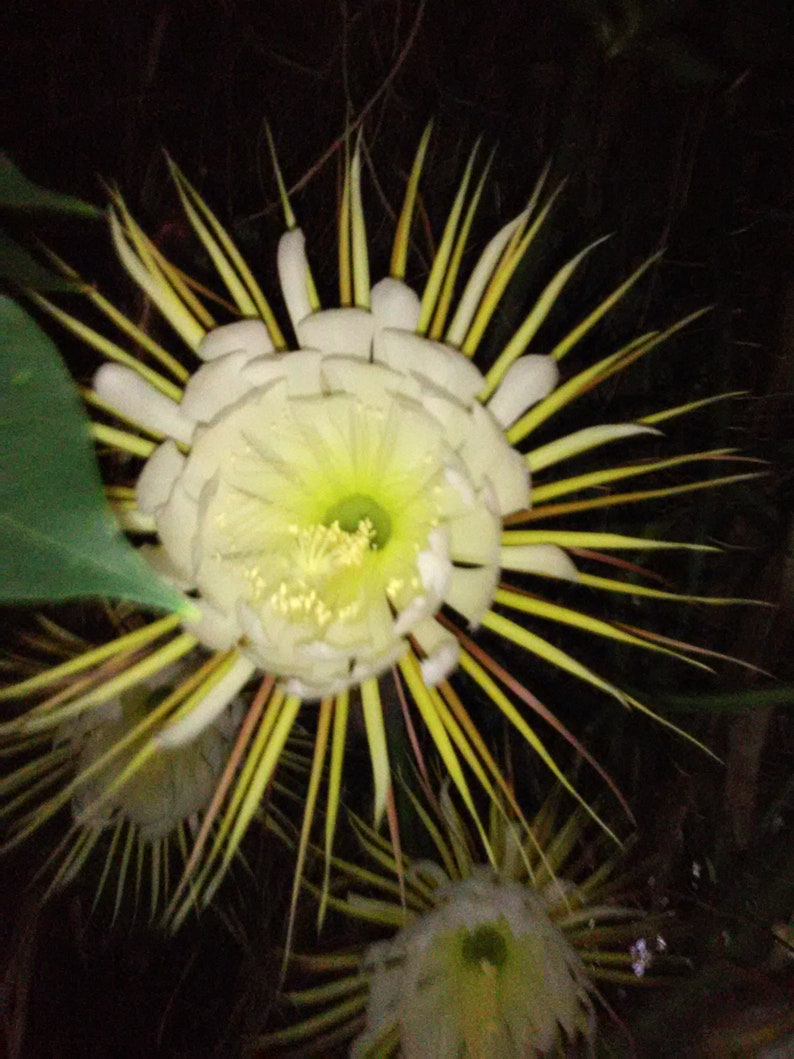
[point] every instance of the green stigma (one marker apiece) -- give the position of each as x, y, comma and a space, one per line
485, 944
353, 510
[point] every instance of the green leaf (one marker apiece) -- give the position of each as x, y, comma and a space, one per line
19, 266
18, 192
58, 538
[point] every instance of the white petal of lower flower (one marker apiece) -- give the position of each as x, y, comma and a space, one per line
170, 786
137, 400
249, 337
527, 381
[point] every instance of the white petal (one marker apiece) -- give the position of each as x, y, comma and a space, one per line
527, 381
442, 365
471, 591
177, 523
417, 609
434, 566
374, 384
430, 635
140, 402
461, 482
292, 267
487, 454
300, 368
475, 537
440, 664
548, 560
395, 304
207, 709
215, 386
157, 557
347, 331
249, 337
214, 629
157, 478
374, 667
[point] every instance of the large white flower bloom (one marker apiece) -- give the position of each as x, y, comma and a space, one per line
344, 509
331, 494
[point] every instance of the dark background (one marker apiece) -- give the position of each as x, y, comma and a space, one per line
674, 123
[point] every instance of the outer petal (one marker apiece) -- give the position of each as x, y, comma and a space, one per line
209, 708
249, 337
487, 455
475, 537
527, 381
372, 383
347, 331
157, 478
395, 304
425, 359
215, 629
177, 524
292, 267
139, 401
215, 386
301, 369
549, 560
471, 591
443, 661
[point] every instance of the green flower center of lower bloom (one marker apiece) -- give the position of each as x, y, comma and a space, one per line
485, 944
354, 510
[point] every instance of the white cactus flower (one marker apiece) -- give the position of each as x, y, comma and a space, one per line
345, 508
494, 949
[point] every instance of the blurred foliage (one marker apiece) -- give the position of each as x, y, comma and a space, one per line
58, 537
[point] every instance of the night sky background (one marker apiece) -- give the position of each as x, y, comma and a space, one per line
673, 121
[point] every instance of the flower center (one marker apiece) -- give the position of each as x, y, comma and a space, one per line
360, 510
321, 584
486, 945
